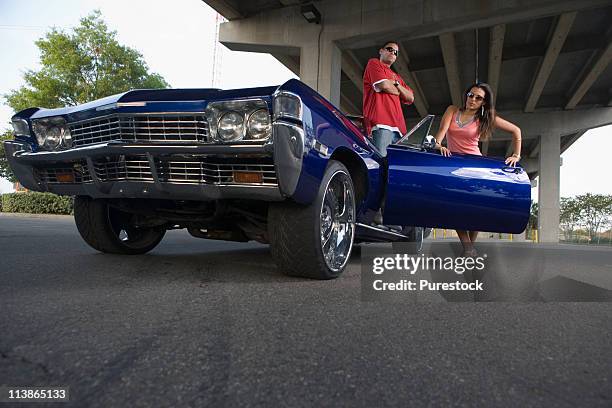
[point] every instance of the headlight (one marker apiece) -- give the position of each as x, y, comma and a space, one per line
287, 105
231, 126
245, 120
21, 128
54, 136
259, 126
52, 133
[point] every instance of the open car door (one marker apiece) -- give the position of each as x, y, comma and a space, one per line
464, 192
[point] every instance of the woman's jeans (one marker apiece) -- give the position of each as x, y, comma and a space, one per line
383, 138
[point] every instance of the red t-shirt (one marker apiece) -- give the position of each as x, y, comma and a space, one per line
381, 108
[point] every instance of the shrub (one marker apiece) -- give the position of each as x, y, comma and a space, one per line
36, 203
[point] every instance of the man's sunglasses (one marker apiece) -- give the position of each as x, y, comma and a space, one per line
392, 50
473, 95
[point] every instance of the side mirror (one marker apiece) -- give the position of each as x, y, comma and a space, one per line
429, 143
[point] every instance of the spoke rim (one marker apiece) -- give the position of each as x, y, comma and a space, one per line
337, 221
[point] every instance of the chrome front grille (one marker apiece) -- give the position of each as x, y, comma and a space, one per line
133, 168
141, 128
214, 170
170, 169
76, 172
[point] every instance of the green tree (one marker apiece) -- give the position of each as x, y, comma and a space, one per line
86, 64
569, 216
533, 216
595, 210
5, 170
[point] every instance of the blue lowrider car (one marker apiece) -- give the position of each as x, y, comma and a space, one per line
278, 165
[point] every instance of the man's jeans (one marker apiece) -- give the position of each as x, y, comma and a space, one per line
383, 138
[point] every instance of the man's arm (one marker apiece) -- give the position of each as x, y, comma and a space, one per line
396, 88
386, 86
406, 94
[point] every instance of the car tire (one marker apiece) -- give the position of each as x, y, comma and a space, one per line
301, 237
414, 243
107, 229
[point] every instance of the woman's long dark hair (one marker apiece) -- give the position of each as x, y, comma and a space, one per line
486, 116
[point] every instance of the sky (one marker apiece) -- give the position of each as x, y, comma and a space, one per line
177, 40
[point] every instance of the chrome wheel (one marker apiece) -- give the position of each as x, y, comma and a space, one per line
337, 221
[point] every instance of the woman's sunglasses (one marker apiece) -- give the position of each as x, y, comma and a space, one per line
392, 50
473, 95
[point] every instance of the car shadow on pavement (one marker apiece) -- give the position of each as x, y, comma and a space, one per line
252, 265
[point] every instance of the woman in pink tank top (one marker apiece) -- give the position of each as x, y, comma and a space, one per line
464, 127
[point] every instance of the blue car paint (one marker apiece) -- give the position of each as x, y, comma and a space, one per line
461, 192
323, 122
314, 163
423, 188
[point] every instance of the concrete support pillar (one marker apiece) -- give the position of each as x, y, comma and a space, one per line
549, 185
320, 68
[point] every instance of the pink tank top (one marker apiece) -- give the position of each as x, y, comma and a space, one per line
463, 138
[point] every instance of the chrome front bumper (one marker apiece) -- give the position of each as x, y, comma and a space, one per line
120, 170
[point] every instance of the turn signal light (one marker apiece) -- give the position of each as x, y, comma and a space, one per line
247, 177
65, 177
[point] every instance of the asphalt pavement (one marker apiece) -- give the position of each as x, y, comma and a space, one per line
212, 323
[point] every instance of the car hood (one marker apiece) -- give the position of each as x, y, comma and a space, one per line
153, 95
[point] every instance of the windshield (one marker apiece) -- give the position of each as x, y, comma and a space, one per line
418, 133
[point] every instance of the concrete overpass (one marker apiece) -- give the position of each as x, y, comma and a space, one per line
549, 62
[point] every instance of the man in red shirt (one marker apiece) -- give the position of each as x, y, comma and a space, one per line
383, 92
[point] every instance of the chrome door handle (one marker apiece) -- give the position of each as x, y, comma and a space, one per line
510, 169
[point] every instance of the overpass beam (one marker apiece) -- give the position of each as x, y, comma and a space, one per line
352, 69
451, 63
224, 8
289, 62
559, 122
572, 139
549, 187
496, 46
595, 69
562, 29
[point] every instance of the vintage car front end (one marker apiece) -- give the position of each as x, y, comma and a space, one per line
134, 146
265, 164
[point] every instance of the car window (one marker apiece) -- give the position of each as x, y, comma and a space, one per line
416, 135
